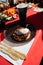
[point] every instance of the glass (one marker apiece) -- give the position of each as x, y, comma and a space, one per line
22, 9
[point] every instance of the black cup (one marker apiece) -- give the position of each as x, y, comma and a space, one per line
22, 13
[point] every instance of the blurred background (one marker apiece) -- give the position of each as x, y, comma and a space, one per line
35, 1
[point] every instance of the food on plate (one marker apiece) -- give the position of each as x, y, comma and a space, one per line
10, 11
5, 16
8, 18
21, 34
0, 13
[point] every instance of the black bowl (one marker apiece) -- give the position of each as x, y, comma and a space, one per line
9, 32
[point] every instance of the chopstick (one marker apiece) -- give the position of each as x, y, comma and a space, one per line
9, 54
5, 48
19, 54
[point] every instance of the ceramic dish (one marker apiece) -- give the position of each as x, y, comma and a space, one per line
9, 33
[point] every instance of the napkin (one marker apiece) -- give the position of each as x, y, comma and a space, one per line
24, 49
37, 9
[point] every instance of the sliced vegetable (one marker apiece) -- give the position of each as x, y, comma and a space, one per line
0, 14
8, 18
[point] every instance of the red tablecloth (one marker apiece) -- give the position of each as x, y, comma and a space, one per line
3, 61
1, 35
35, 54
